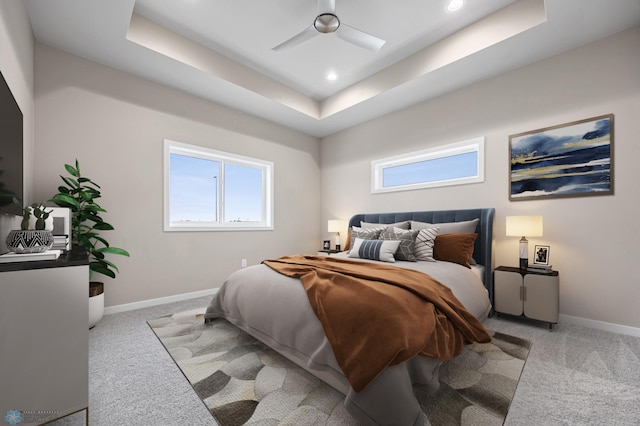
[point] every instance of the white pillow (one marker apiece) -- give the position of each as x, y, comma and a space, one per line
381, 250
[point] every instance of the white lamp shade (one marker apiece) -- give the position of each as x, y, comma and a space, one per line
521, 226
336, 225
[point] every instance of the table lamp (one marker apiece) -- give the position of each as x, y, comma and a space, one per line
336, 226
521, 226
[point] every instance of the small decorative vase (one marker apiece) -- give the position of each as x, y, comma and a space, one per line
29, 241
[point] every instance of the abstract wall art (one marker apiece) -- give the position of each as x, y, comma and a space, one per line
568, 160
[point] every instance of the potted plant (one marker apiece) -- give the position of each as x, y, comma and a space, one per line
34, 235
79, 194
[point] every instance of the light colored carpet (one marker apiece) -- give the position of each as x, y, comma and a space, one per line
242, 381
573, 375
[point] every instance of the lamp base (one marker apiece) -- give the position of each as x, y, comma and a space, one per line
524, 263
524, 253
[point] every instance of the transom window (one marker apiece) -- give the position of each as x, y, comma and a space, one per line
454, 164
209, 190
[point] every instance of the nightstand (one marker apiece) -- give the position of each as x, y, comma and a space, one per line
527, 293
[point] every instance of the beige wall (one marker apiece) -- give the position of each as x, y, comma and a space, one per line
16, 64
593, 239
115, 124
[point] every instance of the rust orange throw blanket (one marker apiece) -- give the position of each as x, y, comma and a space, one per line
376, 315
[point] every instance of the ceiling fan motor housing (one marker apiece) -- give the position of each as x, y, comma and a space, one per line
326, 23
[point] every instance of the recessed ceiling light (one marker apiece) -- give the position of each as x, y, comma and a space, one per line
455, 5
332, 76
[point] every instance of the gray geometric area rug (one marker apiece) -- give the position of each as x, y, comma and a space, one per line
243, 382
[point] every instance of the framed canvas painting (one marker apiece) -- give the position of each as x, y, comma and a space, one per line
569, 160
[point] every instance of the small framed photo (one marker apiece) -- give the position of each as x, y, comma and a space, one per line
326, 245
541, 255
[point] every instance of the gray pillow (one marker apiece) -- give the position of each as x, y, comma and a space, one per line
406, 238
466, 227
401, 225
364, 234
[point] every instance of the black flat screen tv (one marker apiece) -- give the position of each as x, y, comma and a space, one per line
11, 151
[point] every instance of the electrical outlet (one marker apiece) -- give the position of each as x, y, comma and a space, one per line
244, 263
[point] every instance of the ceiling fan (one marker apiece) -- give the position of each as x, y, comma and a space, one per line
327, 22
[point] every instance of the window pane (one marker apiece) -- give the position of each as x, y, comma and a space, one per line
243, 193
193, 192
209, 190
452, 167
452, 164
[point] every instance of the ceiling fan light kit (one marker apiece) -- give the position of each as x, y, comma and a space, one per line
327, 22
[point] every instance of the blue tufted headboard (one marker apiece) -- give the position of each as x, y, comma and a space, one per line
482, 252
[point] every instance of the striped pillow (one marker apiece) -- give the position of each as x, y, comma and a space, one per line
425, 240
381, 250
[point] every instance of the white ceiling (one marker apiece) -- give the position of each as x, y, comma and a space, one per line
221, 50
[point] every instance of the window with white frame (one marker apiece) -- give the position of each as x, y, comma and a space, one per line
209, 190
453, 164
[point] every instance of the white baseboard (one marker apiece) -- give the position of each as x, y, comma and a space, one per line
601, 325
567, 319
159, 301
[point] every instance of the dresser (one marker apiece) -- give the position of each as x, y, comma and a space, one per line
44, 339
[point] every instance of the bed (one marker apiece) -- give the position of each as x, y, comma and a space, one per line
289, 325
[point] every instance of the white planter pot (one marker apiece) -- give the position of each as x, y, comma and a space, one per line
96, 303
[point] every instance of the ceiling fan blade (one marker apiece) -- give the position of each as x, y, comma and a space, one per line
359, 38
297, 39
326, 6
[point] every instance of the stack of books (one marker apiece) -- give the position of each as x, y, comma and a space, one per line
540, 268
29, 257
60, 242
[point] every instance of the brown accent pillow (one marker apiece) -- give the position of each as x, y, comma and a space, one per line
456, 248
